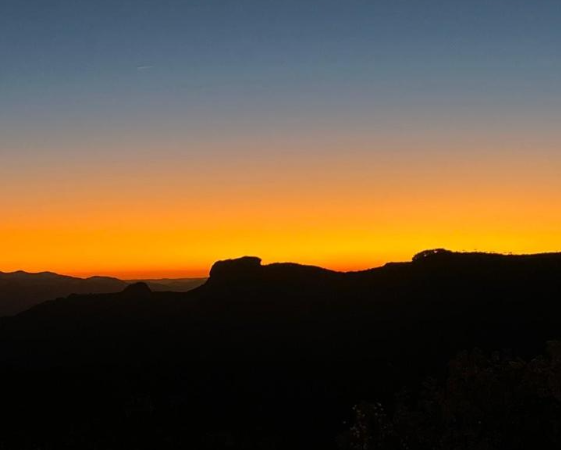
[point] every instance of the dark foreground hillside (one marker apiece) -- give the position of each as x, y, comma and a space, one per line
275, 356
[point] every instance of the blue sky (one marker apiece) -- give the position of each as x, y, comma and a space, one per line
97, 65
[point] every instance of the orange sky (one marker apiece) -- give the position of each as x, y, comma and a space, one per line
346, 208
153, 140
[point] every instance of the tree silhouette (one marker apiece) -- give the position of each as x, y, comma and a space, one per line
491, 402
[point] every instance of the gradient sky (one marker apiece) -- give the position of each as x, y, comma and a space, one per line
151, 138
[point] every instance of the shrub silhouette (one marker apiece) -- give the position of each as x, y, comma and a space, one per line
494, 402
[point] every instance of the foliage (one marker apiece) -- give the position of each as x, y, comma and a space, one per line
491, 402
432, 252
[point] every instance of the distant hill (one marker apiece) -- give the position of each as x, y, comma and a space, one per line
171, 284
280, 350
21, 290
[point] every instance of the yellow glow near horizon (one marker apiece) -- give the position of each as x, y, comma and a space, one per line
346, 210
156, 140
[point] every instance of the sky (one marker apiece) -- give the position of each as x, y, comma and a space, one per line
149, 138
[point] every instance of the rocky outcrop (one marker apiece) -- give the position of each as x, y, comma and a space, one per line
245, 268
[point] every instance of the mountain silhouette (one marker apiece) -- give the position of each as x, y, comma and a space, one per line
21, 290
447, 299
263, 349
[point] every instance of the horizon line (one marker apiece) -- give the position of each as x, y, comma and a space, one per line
182, 274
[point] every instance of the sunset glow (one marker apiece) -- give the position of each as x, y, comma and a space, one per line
346, 210
342, 143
